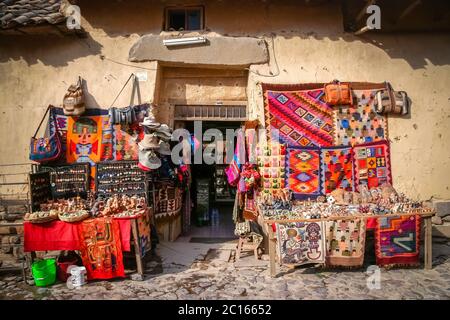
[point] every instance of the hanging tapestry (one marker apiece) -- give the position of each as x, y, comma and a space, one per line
301, 242
397, 240
336, 169
345, 241
372, 164
303, 165
359, 123
143, 223
272, 167
84, 141
126, 137
101, 249
298, 118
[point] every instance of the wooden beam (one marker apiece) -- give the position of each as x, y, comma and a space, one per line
408, 10
362, 30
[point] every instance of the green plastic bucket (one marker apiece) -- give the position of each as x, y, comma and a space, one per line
44, 272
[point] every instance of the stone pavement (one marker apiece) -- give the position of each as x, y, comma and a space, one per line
183, 270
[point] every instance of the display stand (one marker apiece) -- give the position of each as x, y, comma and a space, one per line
426, 216
39, 188
68, 180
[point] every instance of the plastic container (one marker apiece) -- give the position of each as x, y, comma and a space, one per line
44, 272
62, 269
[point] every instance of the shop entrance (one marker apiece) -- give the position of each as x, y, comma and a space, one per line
212, 197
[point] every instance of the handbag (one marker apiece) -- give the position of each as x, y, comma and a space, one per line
337, 93
73, 102
48, 148
390, 101
125, 115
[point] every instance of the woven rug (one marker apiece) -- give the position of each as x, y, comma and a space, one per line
145, 242
101, 249
345, 242
303, 166
397, 240
301, 117
372, 164
359, 123
301, 242
336, 169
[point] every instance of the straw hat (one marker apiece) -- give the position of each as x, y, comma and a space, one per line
150, 141
164, 148
148, 160
150, 123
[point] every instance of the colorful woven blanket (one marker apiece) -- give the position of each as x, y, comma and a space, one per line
359, 123
345, 241
301, 242
303, 165
101, 249
336, 169
300, 117
372, 164
397, 240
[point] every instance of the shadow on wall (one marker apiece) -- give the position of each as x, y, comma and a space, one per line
49, 50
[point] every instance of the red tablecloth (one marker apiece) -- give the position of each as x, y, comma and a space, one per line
60, 235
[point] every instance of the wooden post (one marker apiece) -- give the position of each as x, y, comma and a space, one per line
137, 250
272, 252
428, 254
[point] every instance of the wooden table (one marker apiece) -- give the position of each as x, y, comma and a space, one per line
425, 215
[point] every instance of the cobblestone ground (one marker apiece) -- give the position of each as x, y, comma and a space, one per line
219, 279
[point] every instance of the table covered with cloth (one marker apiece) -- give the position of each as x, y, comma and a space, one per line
60, 235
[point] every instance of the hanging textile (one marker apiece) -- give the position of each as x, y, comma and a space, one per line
359, 123
101, 249
397, 240
303, 177
345, 241
301, 242
272, 167
301, 117
372, 164
336, 169
143, 223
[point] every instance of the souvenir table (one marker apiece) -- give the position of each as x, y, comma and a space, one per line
59, 235
425, 214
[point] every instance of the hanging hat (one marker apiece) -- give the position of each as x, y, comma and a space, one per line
150, 123
164, 148
148, 160
164, 132
150, 141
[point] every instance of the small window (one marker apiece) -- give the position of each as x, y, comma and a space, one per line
184, 19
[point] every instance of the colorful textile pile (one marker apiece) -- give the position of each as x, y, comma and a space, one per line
359, 123
101, 249
397, 240
372, 164
301, 242
303, 165
337, 169
345, 241
301, 117
271, 163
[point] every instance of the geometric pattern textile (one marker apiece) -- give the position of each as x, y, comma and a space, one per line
301, 118
303, 165
301, 242
101, 249
345, 242
397, 240
336, 169
372, 164
359, 123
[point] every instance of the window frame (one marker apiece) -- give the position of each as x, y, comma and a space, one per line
185, 9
